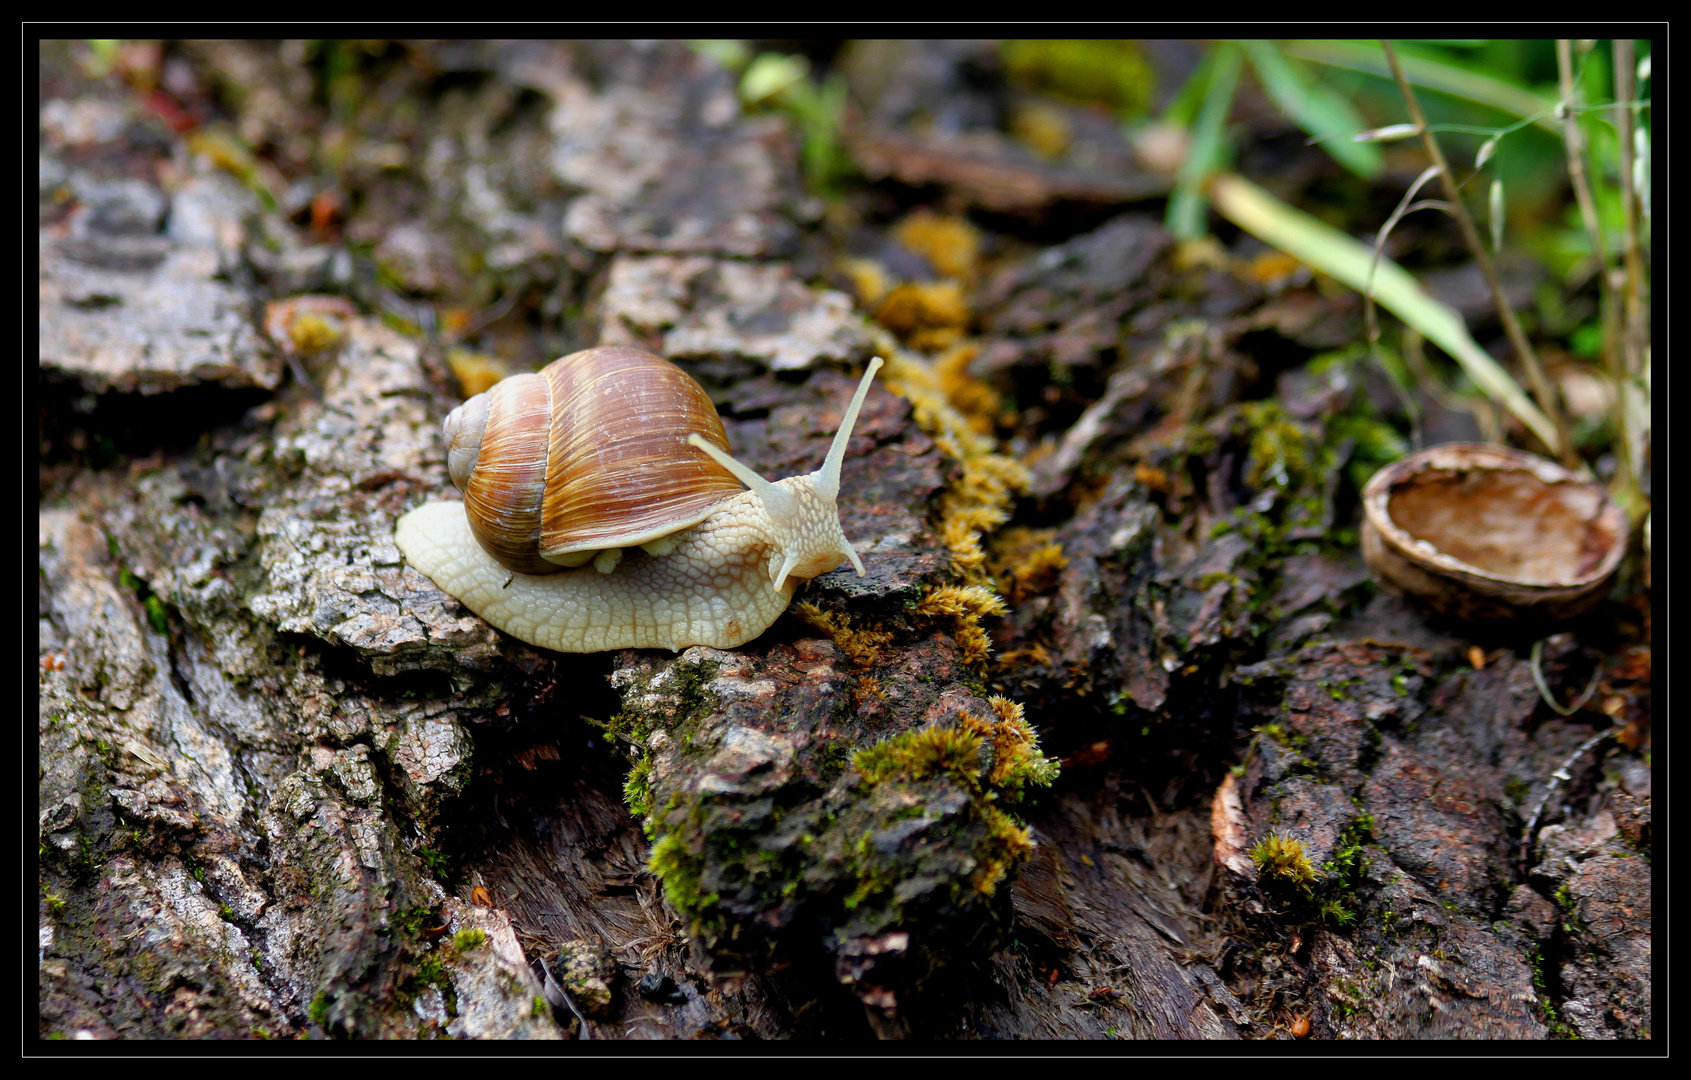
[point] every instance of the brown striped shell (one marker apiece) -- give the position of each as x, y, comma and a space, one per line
586, 455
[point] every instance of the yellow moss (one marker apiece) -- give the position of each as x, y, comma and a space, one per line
961, 601
977, 401
1026, 654
868, 691
1090, 70
977, 502
1203, 253
977, 515
1272, 269
964, 606
964, 544
931, 339
973, 644
1042, 128
1016, 760
1007, 711
922, 753
1026, 562
934, 311
990, 479
475, 371
950, 244
862, 645
869, 279
1280, 856
1013, 843
311, 333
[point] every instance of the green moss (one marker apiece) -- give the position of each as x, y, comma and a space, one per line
1559, 1028
1291, 740
678, 871
1091, 71
1349, 864
410, 921
914, 836
156, 615
1280, 453
1347, 998
465, 940
434, 860
1334, 913
431, 971
637, 789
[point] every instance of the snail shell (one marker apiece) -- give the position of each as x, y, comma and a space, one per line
616, 456
588, 455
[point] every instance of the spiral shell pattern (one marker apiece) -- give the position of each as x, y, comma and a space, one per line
590, 454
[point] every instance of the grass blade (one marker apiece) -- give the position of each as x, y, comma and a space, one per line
1325, 114
1426, 73
1324, 248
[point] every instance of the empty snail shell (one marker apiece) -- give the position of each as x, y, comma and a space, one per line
614, 456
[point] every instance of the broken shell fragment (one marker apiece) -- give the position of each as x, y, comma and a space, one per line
1484, 532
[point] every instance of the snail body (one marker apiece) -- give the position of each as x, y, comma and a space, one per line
614, 457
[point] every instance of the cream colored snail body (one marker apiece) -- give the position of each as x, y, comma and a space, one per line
615, 457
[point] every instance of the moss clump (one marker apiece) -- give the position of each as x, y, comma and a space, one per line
926, 315
1012, 759
679, 870
1334, 913
864, 645
1281, 857
475, 372
978, 402
1026, 562
1095, 72
986, 759
964, 606
932, 751
1017, 761
949, 243
1281, 453
957, 609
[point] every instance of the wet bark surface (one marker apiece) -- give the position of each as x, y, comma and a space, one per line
287, 788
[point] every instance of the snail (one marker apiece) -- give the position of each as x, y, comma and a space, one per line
615, 457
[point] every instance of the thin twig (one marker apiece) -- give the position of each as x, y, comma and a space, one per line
559, 993
1636, 338
1574, 141
1556, 780
1544, 691
1471, 237
1485, 416
1405, 205
1624, 123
